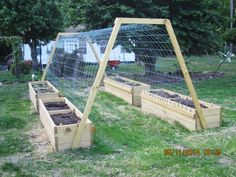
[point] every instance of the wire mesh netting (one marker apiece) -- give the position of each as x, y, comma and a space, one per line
214, 78
141, 52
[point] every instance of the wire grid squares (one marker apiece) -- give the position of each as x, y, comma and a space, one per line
142, 52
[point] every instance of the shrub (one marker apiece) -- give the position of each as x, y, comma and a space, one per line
230, 35
13, 68
24, 67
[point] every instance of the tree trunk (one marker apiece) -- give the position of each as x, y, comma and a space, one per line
33, 46
17, 66
148, 57
149, 66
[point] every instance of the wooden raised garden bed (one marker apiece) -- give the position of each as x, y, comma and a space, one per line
41, 89
174, 107
60, 119
127, 89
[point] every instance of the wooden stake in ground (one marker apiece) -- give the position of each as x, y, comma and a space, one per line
185, 72
96, 83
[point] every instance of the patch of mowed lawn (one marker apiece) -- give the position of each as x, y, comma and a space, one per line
9, 78
14, 117
130, 143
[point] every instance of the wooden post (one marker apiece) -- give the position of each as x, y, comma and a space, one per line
53, 51
50, 58
153, 21
95, 53
96, 84
67, 34
185, 72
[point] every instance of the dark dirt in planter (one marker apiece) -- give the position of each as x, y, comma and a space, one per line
65, 119
125, 81
164, 94
176, 98
187, 102
42, 88
39, 85
56, 106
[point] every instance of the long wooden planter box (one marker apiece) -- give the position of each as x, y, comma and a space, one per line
34, 96
172, 111
61, 136
131, 94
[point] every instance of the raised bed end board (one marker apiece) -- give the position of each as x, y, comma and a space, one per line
61, 136
34, 96
129, 93
172, 111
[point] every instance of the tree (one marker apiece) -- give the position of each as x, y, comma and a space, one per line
198, 24
101, 13
35, 21
142, 40
5, 50
70, 12
230, 35
15, 42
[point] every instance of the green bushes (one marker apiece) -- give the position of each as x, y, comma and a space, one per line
230, 35
24, 67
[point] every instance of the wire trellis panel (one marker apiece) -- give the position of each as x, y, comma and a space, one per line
147, 52
147, 55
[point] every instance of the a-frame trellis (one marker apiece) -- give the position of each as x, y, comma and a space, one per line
104, 61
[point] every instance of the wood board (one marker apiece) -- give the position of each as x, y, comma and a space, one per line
172, 111
131, 94
35, 96
61, 136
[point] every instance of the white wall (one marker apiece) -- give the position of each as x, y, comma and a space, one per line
116, 53
45, 54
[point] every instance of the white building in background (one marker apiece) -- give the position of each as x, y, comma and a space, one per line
118, 53
46, 49
70, 44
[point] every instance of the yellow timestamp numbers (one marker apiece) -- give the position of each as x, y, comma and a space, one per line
192, 152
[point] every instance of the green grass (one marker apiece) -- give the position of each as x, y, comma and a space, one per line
127, 142
211, 64
15, 119
8, 78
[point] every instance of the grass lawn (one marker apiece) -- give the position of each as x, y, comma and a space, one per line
127, 142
